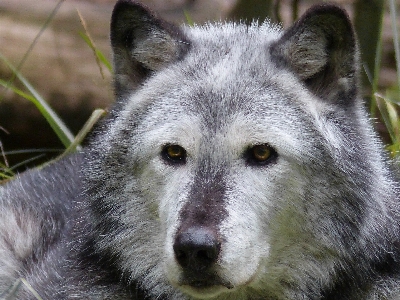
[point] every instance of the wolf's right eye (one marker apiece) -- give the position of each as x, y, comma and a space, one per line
260, 154
174, 154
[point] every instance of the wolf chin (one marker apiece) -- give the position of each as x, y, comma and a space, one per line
238, 163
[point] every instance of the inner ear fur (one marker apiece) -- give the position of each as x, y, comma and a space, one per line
142, 44
321, 49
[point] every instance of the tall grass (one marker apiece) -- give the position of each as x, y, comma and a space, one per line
387, 102
70, 142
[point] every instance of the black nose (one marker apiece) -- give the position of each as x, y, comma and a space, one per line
196, 248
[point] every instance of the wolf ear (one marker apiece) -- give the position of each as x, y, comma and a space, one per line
321, 49
142, 44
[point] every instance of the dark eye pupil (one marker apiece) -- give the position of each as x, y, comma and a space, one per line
175, 151
174, 154
258, 155
261, 152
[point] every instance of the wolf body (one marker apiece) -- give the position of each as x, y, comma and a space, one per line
237, 163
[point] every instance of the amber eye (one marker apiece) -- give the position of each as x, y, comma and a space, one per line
174, 153
260, 154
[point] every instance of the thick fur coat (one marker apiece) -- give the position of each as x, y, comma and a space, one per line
237, 163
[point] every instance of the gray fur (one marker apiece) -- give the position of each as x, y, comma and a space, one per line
319, 219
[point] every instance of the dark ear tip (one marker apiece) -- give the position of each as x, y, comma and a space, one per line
327, 9
331, 18
123, 16
123, 6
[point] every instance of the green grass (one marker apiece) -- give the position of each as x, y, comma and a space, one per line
58, 126
70, 142
99, 56
386, 103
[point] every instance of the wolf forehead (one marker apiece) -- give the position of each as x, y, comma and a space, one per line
230, 47
229, 64
215, 52
225, 69
318, 52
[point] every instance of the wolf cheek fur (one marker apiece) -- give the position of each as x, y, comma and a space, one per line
237, 163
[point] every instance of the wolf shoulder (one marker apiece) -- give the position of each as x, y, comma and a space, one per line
35, 211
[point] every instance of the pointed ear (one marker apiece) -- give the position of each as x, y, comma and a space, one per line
321, 49
142, 44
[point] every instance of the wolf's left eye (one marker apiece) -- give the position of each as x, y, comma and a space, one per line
260, 154
174, 153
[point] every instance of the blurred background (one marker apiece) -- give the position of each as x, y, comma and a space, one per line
45, 41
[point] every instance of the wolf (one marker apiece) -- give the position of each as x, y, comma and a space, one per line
237, 163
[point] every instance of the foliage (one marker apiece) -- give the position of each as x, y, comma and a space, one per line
70, 142
387, 102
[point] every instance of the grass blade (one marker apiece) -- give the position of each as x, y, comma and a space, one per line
393, 18
11, 292
58, 126
95, 116
188, 18
99, 56
31, 289
35, 40
390, 117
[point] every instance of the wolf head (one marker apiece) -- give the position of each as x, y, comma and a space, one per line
235, 161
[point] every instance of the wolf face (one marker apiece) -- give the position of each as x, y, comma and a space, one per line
234, 163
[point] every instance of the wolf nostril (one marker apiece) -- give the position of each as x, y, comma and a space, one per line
196, 249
